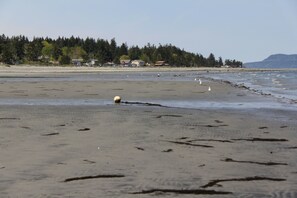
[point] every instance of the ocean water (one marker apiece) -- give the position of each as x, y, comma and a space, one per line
279, 84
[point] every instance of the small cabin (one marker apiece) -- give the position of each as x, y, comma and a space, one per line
138, 63
77, 62
125, 63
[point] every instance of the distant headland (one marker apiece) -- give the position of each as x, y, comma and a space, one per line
275, 61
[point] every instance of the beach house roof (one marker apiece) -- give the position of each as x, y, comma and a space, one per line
125, 62
160, 63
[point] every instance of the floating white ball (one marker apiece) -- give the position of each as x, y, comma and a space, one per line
117, 99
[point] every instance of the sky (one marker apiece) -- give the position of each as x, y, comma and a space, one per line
245, 30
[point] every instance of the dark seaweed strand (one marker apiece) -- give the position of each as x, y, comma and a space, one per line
252, 162
209, 140
143, 103
93, 177
177, 191
262, 140
190, 144
256, 178
9, 118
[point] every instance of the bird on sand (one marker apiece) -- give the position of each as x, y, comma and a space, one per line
209, 89
200, 82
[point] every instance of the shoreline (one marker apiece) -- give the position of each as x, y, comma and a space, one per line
27, 69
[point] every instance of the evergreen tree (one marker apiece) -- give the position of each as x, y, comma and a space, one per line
134, 53
18, 44
90, 46
211, 60
145, 58
113, 50
221, 61
8, 55
233, 63
57, 52
33, 49
123, 49
103, 53
29, 52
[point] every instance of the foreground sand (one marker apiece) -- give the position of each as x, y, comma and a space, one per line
119, 150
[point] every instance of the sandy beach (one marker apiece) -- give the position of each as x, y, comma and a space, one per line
139, 150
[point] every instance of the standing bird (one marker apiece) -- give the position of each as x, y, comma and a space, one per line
209, 89
200, 82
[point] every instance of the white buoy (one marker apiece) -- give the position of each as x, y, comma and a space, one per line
117, 99
209, 89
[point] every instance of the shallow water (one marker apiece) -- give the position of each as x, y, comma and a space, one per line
190, 104
280, 84
113, 76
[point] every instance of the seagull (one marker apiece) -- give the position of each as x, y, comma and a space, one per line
195, 79
158, 75
200, 82
209, 89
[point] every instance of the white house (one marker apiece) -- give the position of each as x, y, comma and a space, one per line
138, 63
93, 62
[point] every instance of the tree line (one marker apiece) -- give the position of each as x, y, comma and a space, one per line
39, 50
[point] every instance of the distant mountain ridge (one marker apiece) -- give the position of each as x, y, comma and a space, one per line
275, 61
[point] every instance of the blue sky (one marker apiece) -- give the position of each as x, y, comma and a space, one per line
247, 30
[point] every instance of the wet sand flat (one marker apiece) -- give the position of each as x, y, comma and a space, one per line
140, 150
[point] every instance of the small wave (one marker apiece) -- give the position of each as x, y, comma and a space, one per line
277, 194
261, 85
284, 194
